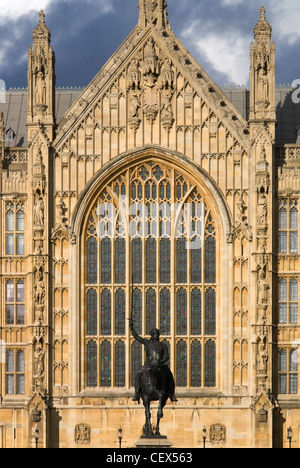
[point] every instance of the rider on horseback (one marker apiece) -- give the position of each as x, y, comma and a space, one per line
156, 352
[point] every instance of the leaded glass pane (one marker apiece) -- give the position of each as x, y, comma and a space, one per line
181, 311
10, 314
181, 261
283, 384
20, 314
92, 259
20, 361
137, 261
20, 221
20, 384
20, 244
92, 312
181, 367
120, 312
120, 364
150, 310
20, 292
106, 312
106, 261
294, 241
282, 290
282, 242
10, 291
10, 384
10, 361
136, 360
196, 312
91, 373
282, 218
10, 221
105, 364
196, 364
10, 244
210, 312
120, 260
165, 261
293, 290
210, 364
151, 260
293, 384
294, 313
282, 360
294, 360
282, 313
165, 304
210, 260
294, 218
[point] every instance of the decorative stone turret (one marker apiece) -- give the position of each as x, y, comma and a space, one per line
153, 13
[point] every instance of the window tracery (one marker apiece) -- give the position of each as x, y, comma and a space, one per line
162, 253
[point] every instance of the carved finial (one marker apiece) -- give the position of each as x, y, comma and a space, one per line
153, 13
42, 16
262, 28
41, 31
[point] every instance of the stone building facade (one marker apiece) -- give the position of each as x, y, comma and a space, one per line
149, 192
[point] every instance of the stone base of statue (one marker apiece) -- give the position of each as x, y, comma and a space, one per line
156, 442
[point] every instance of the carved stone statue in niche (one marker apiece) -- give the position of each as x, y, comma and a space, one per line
262, 209
39, 365
262, 289
262, 360
39, 213
40, 89
166, 109
39, 295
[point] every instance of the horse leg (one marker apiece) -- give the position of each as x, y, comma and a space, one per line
160, 415
148, 428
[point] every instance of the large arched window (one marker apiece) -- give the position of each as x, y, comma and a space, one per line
150, 245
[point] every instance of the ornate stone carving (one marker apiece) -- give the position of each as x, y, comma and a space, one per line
217, 434
82, 434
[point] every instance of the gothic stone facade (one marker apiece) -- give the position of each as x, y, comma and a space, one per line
151, 128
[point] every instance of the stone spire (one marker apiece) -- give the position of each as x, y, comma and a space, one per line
41, 76
262, 71
153, 13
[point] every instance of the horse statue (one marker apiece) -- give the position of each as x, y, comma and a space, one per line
154, 382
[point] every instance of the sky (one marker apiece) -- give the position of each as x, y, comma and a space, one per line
85, 33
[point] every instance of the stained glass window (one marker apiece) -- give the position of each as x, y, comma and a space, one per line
181, 261
136, 360
92, 312
210, 364
137, 261
105, 364
181, 368
150, 310
91, 364
92, 259
106, 261
165, 260
106, 312
210, 260
120, 364
137, 309
171, 277
210, 311
196, 364
151, 260
196, 312
181, 308
120, 312
120, 260
165, 306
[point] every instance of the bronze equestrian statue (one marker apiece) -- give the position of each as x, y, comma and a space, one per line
154, 382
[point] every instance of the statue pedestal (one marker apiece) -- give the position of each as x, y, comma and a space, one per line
145, 442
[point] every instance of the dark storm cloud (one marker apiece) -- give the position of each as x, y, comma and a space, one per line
85, 33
